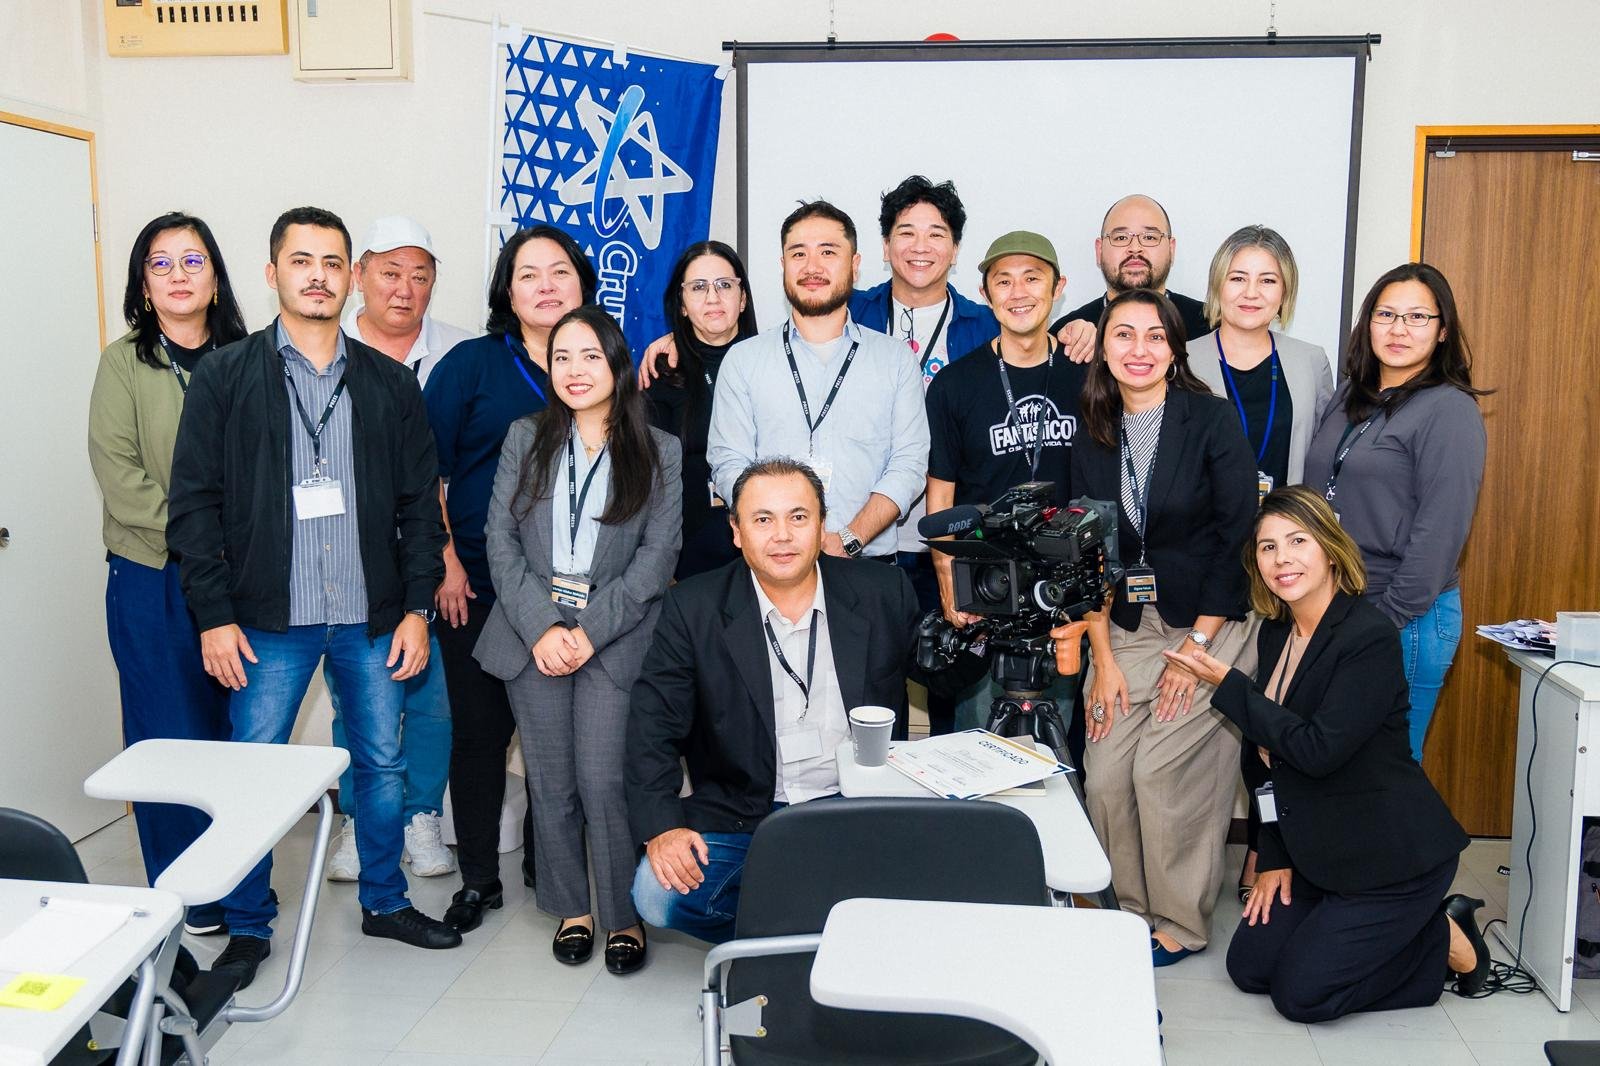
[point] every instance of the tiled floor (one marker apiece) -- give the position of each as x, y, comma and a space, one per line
500, 999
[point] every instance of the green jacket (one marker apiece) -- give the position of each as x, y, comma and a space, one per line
133, 424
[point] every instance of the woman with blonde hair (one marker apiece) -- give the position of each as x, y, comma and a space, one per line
1357, 849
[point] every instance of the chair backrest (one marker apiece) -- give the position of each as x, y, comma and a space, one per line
809, 856
31, 849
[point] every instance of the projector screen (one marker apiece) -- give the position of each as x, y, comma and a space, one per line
1221, 136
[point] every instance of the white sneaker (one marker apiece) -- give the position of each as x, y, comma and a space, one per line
346, 862
425, 848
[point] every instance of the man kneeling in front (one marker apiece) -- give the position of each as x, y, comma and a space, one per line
748, 680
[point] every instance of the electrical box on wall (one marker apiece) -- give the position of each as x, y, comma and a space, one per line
186, 28
352, 40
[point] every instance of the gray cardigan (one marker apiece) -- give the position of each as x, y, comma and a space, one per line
1305, 371
633, 561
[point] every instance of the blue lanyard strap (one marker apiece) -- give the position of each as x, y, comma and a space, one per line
517, 359
1233, 391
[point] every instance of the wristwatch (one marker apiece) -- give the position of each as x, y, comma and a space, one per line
852, 543
1201, 641
426, 616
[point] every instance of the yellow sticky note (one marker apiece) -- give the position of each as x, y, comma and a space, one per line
39, 991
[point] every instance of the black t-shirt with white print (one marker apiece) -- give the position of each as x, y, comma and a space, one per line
984, 446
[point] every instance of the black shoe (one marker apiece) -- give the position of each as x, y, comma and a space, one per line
573, 944
625, 952
1462, 910
527, 871
467, 906
242, 958
410, 926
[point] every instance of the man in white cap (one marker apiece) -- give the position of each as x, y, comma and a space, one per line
394, 270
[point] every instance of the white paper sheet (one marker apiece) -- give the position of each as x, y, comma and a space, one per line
61, 933
973, 763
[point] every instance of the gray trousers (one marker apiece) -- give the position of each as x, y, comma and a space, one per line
573, 732
1160, 794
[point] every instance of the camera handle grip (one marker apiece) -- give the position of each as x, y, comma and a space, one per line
1067, 645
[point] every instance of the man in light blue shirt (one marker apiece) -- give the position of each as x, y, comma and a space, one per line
819, 388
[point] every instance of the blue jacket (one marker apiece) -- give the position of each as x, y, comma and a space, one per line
971, 323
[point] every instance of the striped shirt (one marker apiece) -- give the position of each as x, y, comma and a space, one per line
1141, 431
326, 583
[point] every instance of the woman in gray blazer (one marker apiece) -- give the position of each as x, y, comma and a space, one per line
583, 533
1279, 386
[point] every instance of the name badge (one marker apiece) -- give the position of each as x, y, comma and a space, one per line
800, 744
1263, 485
318, 497
711, 492
823, 469
1267, 803
1140, 584
571, 591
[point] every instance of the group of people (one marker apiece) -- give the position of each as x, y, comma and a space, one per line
686, 571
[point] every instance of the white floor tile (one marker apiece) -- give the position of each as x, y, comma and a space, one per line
316, 1021
1217, 1006
1422, 1023
520, 975
1518, 1054
387, 967
251, 1055
487, 1027
671, 977
1505, 1018
631, 1031
1361, 1050
426, 1058
1195, 1047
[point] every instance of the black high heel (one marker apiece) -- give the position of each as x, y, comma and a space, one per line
1462, 910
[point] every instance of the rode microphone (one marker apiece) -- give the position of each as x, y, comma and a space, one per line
951, 522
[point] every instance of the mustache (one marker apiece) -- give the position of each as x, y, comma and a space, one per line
308, 290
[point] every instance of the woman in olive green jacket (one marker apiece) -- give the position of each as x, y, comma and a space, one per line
180, 306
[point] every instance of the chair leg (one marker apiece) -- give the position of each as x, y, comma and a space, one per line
710, 1031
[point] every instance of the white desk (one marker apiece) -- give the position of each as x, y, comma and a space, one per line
1566, 787
32, 1038
1073, 858
1077, 985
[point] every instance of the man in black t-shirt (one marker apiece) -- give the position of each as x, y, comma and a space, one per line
1135, 249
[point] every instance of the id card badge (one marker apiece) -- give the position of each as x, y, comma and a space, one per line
799, 743
1140, 584
571, 591
1267, 803
318, 497
1263, 485
823, 469
711, 492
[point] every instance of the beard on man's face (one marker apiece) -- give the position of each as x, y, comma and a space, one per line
813, 304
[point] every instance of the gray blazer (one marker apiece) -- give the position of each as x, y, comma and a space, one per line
633, 562
1305, 371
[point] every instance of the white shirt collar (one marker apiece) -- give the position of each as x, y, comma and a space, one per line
421, 348
769, 610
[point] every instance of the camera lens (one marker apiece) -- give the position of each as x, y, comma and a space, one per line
992, 584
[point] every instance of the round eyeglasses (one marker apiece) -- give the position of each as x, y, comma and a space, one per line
161, 265
701, 287
1123, 239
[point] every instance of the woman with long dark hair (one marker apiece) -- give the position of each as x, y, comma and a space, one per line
583, 534
1159, 765
473, 396
1399, 455
179, 307
708, 304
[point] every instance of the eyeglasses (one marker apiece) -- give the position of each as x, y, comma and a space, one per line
701, 287
1414, 319
161, 265
1122, 240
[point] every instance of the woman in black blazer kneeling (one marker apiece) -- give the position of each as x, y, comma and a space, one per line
1357, 849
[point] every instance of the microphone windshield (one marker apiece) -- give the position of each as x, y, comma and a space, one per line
952, 521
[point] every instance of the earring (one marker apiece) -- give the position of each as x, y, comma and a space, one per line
147, 303
214, 298
1172, 370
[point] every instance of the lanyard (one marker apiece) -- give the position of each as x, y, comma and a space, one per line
166, 346
1141, 498
315, 432
516, 360
1346, 442
794, 371
933, 338
811, 661
1233, 390
1005, 383
575, 499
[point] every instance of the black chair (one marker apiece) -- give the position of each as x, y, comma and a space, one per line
807, 857
1572, 1052
31, 849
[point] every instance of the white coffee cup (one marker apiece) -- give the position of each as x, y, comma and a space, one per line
869, 734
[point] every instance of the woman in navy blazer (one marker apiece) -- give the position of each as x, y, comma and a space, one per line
1357, 849
1160, 765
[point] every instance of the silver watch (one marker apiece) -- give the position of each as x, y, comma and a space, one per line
1201, 641
852, 543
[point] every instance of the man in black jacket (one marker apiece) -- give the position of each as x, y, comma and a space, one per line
310, 529
748, 680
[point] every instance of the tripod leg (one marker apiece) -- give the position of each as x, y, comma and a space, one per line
1000, 718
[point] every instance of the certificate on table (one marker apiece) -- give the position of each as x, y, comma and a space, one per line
973, 763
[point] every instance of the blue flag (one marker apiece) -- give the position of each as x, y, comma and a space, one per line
620, 157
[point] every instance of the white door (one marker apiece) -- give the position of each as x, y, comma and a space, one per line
59, 709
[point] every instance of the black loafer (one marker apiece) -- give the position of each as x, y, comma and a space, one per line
1462, 910
624, 952
573, 945
241, 959
465, 912
410, 926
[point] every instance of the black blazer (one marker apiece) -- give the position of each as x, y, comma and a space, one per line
1355, 811
705, 691
1202, 504
229, 517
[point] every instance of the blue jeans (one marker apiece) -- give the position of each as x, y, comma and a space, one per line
166, 694
707, 912
264, 712
424, 740
1428, 643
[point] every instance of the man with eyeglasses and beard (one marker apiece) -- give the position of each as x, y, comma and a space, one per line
1135, 249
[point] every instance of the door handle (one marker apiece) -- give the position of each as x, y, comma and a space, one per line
5, 538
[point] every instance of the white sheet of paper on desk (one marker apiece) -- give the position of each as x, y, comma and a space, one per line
61, 933
972, 763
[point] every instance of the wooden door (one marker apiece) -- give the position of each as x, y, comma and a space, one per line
1517, 233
